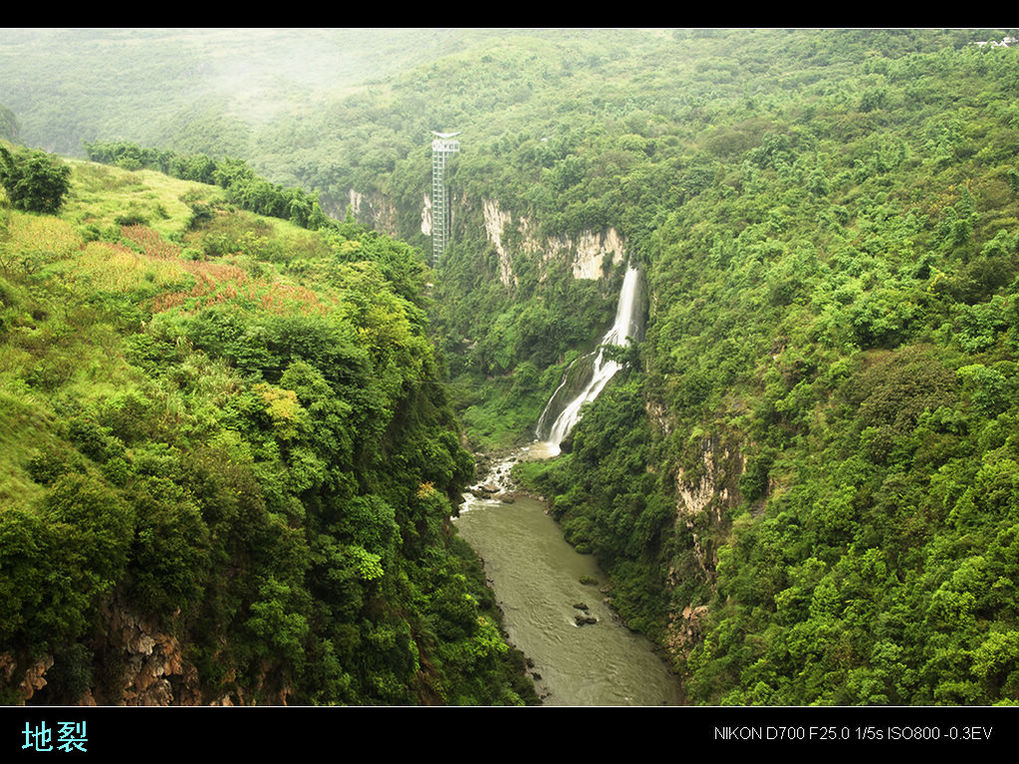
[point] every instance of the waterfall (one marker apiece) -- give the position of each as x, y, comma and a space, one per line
588, 375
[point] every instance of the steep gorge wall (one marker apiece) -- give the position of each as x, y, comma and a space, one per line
704, 495
138, 663
705, 490
374, 210
586, 252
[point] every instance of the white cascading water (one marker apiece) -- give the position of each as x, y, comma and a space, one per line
627, 325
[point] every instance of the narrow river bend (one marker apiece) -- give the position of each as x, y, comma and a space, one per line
538, 582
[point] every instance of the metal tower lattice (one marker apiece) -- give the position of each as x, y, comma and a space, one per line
442, 146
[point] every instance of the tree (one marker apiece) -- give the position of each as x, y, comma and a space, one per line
35, 181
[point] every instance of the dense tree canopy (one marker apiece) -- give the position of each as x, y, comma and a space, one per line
34, 181
803, 485
235, 434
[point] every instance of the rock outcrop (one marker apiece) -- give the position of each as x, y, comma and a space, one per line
154, 671
587, 253
374, 210
25, 680
495, 222
703, 496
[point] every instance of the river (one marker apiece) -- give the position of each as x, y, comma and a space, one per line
554, 609
539, 582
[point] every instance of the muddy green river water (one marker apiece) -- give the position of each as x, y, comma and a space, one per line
537, 578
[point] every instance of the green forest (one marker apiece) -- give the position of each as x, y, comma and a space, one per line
230, 432
237, 402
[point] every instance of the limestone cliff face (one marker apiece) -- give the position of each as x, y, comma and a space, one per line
154, 671
587, 252
141, 665
144, 667
495, 222
703, 494
707, 489
591, 249
374, 210
426, 216
24, 680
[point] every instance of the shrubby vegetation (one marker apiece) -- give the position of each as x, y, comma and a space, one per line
827, 223
835, 303
243, 187
33, 180
237, 433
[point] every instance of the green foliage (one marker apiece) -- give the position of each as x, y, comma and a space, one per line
34, 181
95, 527
260, 465
827, 225
243, 187
9, 127
831, 257
25, 568
277, 623
170, 559
71, 675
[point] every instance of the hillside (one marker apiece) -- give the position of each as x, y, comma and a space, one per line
207, 90
227, 463
807, 488
803, 485
804, 488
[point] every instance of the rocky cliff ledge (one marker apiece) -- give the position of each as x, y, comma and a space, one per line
587, 252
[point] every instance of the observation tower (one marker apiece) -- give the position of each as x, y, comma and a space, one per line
443, 145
